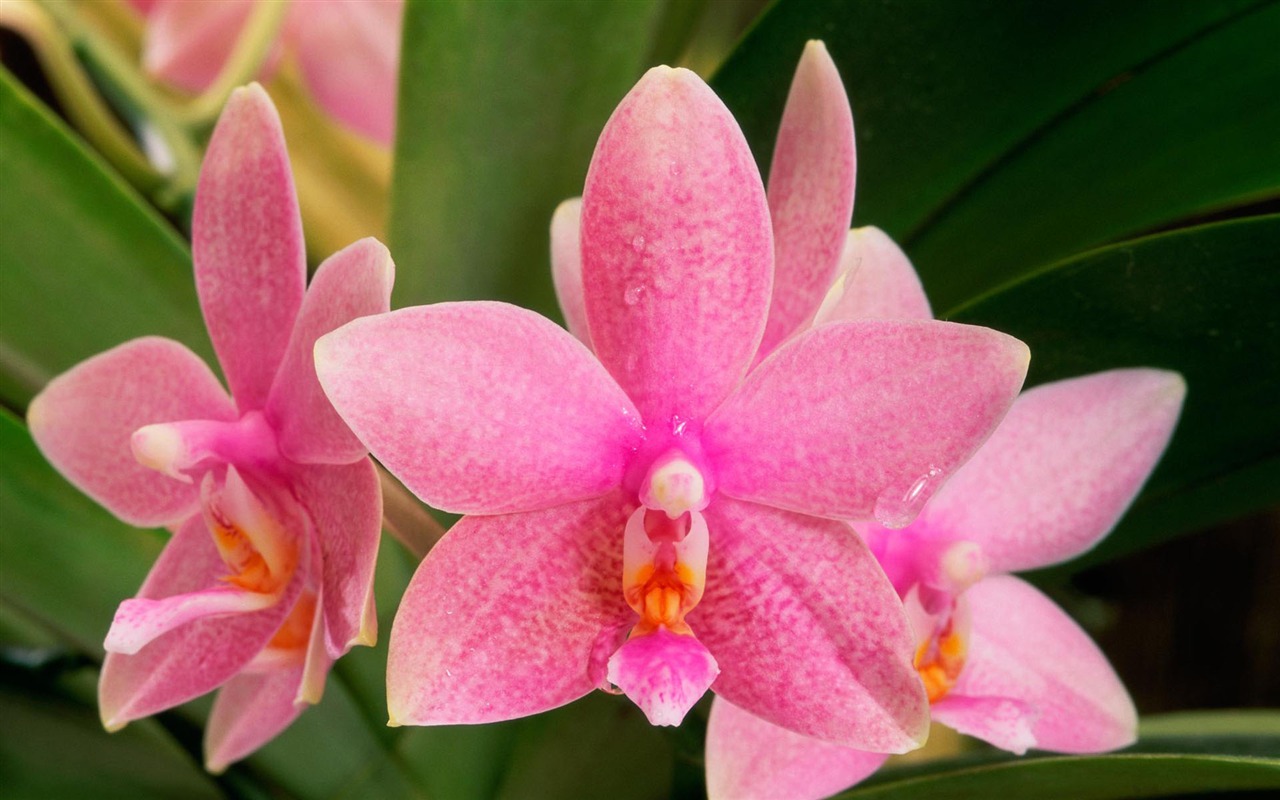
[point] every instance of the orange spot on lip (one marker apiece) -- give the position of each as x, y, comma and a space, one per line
295, 632
939, 660
250, 570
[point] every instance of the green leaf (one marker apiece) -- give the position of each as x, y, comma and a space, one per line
994, 137
1201, 301
599, 746
54, 747
87, 265
1196, 752
500, 108
64, 560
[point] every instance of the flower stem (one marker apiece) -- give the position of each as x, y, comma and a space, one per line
77, 94
406, 519
253, 46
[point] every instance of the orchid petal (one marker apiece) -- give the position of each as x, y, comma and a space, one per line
1000, 721
856, 418
750, 759
876, 281
502, 618
84, 421
480, 407
808, 632
140, 621
352, 283
566, 267
250, 710
317, 660
664, 673
677, 250
811, 187
1062, 468
350, 58
1026, 649
187, 42
196, 658
246, 240
345, 504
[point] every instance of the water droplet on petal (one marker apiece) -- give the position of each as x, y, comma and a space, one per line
897, 508
632, 295
638, 244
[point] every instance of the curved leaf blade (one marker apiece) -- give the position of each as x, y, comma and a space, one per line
1200, 301
87, 265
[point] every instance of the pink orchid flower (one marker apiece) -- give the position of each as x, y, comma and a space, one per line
649, 516
274, 503
999, 660
349, 51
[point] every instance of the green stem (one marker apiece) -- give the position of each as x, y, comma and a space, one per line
77, 93
253, 45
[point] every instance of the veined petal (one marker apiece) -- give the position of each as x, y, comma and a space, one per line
566, 267
502, 617
251, 710
1000, 721
480, 407
808, 632
876, 281
750, 759
196, 658
140, 621
188, 41
1062, 467
84, 420
246, 241
350, 57
1026, 649
677, 250
352, 283
811, 185
856, 418
664, 673
345, 505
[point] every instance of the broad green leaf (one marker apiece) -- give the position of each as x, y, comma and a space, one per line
1196, 131
86, 264
500, 108
54, 747
1196, 752
1201, 301
599, 746
999, 136
64, 560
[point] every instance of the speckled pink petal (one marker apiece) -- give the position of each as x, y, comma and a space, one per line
196, 658
566, 267
246, 241
251, 710
140, 621
350, 56
345, 504
811, 186
188, 41
352, 283
750, 759
999, 721
677, 251
502, 617
808, 632
855, 418
480, 407
1062, 468
663, 673
84, 420
1025, 648
876, 281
